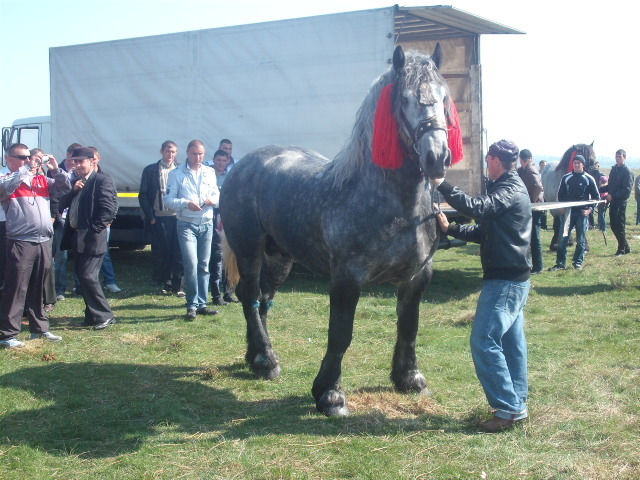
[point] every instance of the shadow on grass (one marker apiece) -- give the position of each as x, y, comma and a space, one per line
572, 290
98, 410
446, 285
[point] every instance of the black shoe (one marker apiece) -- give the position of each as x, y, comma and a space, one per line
557, 267
206, 311
577, 266
105, 324
627, 250
191, 314
219, 301
619, 253
230, 299
536, 272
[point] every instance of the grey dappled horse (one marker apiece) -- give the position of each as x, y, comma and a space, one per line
352, 219
553, 173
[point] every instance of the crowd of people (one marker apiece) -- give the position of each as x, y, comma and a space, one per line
50, 208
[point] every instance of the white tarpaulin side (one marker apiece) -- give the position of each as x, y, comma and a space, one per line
291, 82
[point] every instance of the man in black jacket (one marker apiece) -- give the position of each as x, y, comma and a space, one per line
160, 221
620, 186
503, 230
574, 187
92, 204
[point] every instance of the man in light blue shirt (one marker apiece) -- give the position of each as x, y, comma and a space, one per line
193, 193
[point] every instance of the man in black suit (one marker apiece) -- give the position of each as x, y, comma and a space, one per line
92, 205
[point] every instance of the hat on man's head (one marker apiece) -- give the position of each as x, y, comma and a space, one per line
580, 158
505, 150
525, 154
81, 153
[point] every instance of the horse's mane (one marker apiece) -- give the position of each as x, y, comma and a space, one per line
564, 166
356, 153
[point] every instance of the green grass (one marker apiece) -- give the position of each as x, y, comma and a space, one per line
155, 397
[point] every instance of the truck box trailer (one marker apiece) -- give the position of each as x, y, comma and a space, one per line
287, 82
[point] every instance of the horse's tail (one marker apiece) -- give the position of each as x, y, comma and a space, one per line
230, 262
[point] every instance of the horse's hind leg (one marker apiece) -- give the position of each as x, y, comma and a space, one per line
404, 371
260, 354
275, 270
327, 388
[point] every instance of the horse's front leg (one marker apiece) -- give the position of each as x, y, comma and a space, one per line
327, 388
404, 371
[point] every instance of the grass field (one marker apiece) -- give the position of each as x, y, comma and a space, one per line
155, 397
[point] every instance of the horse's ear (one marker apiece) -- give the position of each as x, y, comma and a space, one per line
592, 142
437, 55
398, 59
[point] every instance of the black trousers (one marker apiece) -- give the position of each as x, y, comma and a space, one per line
165, 252
87, 269
618, 220
3, 252
25, 268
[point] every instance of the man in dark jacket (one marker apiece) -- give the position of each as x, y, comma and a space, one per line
498, 344
620, 186
575, 187
160, 221
92, 204
530, 176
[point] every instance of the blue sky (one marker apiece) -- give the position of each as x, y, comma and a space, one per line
568, 80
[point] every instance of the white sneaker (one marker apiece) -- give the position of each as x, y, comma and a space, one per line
11, 343
47, 336
59, 298
112, 287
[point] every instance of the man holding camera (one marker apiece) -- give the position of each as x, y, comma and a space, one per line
24, 195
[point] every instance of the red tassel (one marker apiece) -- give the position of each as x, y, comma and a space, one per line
455, 135
573, 156
387, 148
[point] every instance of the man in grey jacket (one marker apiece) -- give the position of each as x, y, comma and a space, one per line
24, 195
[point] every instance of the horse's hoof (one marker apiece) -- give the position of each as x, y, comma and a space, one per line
332, 403
412, 381
265, 367
425, 392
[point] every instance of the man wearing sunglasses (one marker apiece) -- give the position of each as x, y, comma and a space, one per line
24, 195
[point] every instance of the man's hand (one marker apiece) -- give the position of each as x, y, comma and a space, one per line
443, 221
193, 206
51, 163
79, 185
435, 182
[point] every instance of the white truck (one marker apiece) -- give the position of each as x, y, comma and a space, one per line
288, 82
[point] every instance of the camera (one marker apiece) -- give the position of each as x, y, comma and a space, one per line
45, 158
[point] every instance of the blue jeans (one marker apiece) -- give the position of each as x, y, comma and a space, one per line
195, 245
581, 223
108, 274
602, 219
499, 347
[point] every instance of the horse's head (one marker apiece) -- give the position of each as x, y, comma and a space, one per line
420, 102
586, 150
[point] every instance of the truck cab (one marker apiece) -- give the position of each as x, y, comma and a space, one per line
34, 132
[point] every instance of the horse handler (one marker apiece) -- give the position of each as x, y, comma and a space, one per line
498, 344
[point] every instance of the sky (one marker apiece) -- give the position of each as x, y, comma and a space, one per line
567, 80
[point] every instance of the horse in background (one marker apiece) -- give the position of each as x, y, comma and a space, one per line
365, 217
553, 173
